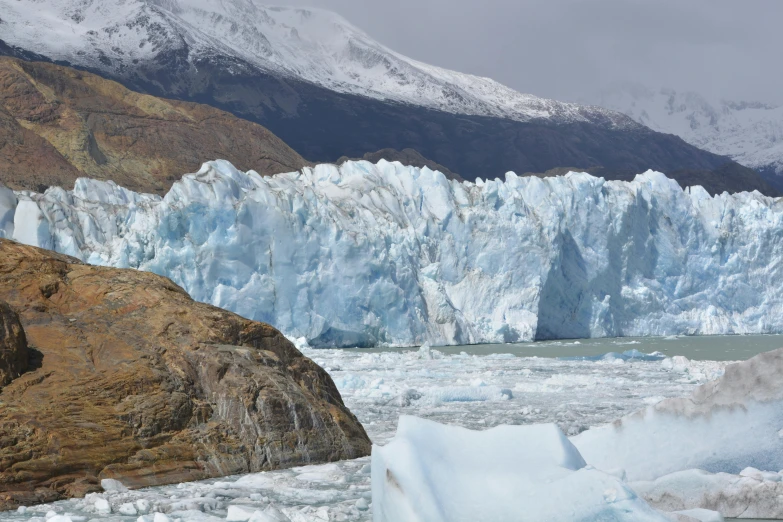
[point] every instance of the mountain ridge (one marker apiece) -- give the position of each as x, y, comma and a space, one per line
58, 124
751, 133
342, 101
312, 45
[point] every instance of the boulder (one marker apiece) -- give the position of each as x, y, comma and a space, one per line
135, 381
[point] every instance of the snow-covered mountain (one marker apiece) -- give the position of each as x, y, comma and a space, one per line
329, 90
749, 133
307, 44
365, 254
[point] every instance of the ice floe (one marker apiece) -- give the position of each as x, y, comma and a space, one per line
432, 472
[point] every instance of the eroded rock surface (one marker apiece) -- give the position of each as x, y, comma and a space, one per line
138, 382
58, 124
13, 346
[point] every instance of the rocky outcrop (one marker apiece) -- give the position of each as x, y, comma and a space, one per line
136, 381
57, 124
13, 346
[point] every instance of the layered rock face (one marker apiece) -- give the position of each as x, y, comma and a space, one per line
13, 346
57, 124
135, 381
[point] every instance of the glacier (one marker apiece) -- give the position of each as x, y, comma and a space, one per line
383, 254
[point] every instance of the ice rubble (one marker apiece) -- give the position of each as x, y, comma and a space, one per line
437, 473
369, 254
751, 494
378, 386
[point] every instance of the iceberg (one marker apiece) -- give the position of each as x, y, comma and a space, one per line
719, 449
371, 254
725, 426
433, 472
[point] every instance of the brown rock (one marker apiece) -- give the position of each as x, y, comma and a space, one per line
13, 346
58, 124
136, 381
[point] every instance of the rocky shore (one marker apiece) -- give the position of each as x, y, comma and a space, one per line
112, 373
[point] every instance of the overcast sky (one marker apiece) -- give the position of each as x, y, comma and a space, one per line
569, 49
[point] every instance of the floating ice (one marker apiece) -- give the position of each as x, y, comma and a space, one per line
112, 485
725, 426
378, 387
625, 356
743, 496
437, 473
700, 515
369, 254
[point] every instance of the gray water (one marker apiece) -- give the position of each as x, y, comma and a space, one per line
698, 348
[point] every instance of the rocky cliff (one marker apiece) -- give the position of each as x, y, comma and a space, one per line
129, 378
57, 124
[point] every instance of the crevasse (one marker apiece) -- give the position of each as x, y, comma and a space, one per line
365, 254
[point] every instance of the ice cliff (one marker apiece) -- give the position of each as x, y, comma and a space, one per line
366, 254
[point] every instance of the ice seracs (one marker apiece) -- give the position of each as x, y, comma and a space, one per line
438, 473
8, 203
368, 254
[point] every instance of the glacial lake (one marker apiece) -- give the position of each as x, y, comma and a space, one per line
700, 348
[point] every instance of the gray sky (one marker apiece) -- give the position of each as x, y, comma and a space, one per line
569, 49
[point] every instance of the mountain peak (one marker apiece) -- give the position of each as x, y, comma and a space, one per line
749, 132
312, 45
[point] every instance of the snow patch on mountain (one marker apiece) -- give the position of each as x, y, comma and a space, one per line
315, 46
368, 254
751, 133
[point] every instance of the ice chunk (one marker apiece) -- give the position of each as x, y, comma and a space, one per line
239, 514
702, 515
113, 486
725, 426
143, 506
433, 472
732, 495
102, 506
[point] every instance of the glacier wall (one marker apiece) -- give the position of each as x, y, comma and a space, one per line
366, 254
